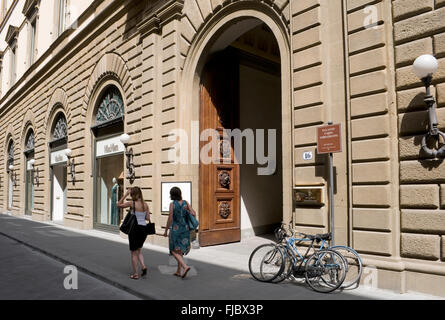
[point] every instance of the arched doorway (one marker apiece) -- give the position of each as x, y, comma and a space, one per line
29, 176
58, 167
10, 173
109, 157
240, 99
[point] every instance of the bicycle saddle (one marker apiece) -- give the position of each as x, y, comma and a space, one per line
320, 237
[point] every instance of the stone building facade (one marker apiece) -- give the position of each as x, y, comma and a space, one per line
76, 76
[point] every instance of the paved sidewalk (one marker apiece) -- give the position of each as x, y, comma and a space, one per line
27, 274
219, 272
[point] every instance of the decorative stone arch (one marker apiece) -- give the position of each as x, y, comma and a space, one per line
197, 14
216, 31
9, 134
28, 124
111, 70
110, 66
58, 102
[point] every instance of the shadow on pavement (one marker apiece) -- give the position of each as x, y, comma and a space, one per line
109, 261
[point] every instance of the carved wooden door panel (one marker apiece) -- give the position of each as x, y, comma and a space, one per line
219, 180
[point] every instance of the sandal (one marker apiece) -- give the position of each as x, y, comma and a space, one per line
134, 276
185, 272
144, 272
177, 274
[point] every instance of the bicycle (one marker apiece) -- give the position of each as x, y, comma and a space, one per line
324, 271
355, 264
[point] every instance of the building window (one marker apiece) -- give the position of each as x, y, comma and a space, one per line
11, 39
12, 65
62, 15
32, 46
111, 106
30, 142
31, 11
1, 72
60, 128
10, 162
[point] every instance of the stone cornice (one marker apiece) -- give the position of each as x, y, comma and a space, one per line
160, 16
30, 7
11, 35
150, 25
170, 11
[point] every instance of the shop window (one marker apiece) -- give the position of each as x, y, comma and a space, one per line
10, 162
109, 158
29, 173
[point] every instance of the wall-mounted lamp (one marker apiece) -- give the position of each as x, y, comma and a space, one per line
424, 67
13, 175
125, 139
35, 172
68, 153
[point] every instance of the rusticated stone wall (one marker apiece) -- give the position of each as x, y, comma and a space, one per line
419, 29
373, 127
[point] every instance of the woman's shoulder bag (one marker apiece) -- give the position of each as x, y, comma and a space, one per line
129, 221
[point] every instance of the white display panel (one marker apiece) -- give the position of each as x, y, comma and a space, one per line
58, 157
109, 147
186, 190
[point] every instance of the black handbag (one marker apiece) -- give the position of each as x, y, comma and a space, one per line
150, 228
129, 222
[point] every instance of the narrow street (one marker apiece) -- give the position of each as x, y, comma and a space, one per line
32, 267
27, 274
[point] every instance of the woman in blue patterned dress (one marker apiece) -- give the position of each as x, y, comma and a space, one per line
179, 240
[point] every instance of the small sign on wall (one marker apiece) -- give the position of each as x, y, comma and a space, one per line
109, 147
308, 196
58, 157
329, 139
308, 155
186, 191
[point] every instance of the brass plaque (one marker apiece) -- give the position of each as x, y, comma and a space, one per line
308, 196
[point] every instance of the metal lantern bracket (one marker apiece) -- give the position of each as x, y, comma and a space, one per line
72, 169
35, 175
14, 178
130, 164
434, 131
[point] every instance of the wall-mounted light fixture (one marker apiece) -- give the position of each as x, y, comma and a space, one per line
13, 175
35, 172
424, 67
125, 139
68, 153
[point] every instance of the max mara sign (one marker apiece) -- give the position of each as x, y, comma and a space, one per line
58, 157
109, 147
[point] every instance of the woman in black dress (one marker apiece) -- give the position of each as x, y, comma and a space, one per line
138, 234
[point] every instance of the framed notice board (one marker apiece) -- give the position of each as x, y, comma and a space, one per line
186, 190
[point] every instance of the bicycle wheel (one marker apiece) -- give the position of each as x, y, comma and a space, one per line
355, 265
325, 271
266, 262
288, 266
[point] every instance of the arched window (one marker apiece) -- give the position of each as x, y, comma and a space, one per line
111, 106
60, 130
29, 143
10, 154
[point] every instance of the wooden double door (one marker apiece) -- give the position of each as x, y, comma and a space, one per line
220, 179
